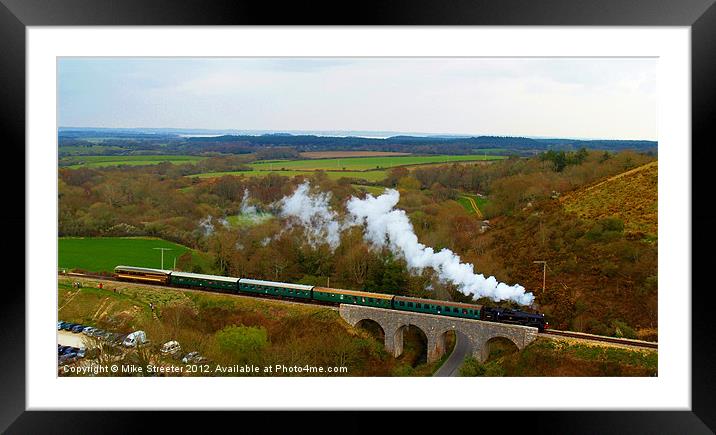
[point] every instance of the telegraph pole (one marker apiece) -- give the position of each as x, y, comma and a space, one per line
544, 272
163, 249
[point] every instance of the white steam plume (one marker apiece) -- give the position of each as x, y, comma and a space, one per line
314, 214
246, 208
386, 226
250, 214
207, 227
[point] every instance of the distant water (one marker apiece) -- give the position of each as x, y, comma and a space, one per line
314, 134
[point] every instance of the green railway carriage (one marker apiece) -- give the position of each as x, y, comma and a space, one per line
342, 296
443, 308
257, 286
224, 284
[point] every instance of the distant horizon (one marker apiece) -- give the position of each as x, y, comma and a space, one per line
367, 134
607, 98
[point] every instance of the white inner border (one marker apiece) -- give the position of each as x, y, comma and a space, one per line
670, 390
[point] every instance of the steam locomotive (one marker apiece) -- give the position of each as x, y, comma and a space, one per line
226, 284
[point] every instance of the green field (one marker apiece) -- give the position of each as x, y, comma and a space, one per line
334, 175
366, 163
89, 151
373, 190
103, 254
248, 220
103, 161
365, 168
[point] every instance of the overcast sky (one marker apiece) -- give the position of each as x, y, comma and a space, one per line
577, 98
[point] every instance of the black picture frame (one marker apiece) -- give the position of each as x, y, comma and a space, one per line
699, 15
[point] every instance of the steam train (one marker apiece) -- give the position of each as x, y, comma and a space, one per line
227, 284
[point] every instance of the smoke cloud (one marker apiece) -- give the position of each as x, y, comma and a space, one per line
249, 214
206, 225
313, 212
247, 208
386, 226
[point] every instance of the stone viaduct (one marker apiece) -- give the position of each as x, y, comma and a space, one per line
435, 327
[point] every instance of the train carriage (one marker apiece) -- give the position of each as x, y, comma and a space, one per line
341, 296
224, 284
329, 295
443, 308
142, 274
271, 288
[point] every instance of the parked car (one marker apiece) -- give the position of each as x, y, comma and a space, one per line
68, 350
59, 325
134, 339
68, 325
170, 348
67, 358
77, 328
193, 358
63, 349
81, 352
88, 330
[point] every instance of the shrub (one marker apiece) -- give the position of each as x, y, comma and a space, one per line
472, 367
494, 368
595, 233
596, 327
622, 330
650, 286
612, 224
242, 341
404, 370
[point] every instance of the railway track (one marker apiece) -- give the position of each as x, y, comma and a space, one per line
554, 332
591, 337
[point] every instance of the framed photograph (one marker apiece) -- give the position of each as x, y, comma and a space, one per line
462, 215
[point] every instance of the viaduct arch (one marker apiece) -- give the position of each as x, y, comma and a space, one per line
434, 327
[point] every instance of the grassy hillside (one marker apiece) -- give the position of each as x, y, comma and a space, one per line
546, 357
600, 246
102, 254
631, 196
